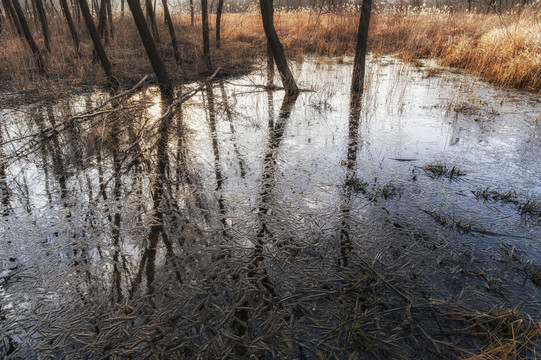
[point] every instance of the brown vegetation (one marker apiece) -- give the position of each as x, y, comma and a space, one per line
503, 48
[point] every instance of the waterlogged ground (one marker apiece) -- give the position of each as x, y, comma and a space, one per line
403, 225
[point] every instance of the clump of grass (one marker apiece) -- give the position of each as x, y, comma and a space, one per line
509, 334
530, 207
459, 225
357, 185
489, 194
439, 169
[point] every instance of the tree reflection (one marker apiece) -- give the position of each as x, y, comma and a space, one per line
257, 273
355, 106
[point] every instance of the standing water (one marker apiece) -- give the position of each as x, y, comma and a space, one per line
241, 223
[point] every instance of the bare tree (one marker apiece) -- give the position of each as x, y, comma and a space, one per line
218, 21
169, 21
100, 51
206, 41
28, 35
267, 15
69, 20
359, 64
44, 25
152, 52
152, 20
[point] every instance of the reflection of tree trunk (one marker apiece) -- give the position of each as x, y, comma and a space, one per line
206, 41
113, 82
232, 128
69, 20
4, 190
256, 265
59, 170
159, 200
152, 51
353, 143
218, 22
267, 14
216, 150
28, 35
357, 83
174, 44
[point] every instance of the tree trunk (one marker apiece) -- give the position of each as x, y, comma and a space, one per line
174, 44
110, 18
218, 22
267, 15
206, 41
69, 20
10, 12
270, 67
113, 82
28, 35
357, 83
191, 13
152, 52
102, 21
152, 19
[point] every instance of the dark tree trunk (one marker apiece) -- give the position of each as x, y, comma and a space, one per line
122, 9
206, 41
110, 18
102, 22
10, 12
28, 35
218, 21
267, 15
270, 67
152, 52
357, 83
152, 19
100, 51
191, 13
174, 44
69, 20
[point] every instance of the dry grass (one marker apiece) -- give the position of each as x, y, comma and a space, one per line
509, 334
505, 49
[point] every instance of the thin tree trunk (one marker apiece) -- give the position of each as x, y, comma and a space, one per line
44, 24
359, 63
110, 18
174, 44
122, 9
218, 22
69, 20
10, 11
152, 20
28, 35
270, 67
113, 82
152, 52
206, 41
102, 21
267, 15
191, 13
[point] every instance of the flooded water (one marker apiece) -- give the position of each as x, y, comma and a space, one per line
244, 224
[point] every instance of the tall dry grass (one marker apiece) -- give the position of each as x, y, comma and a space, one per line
503, 48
